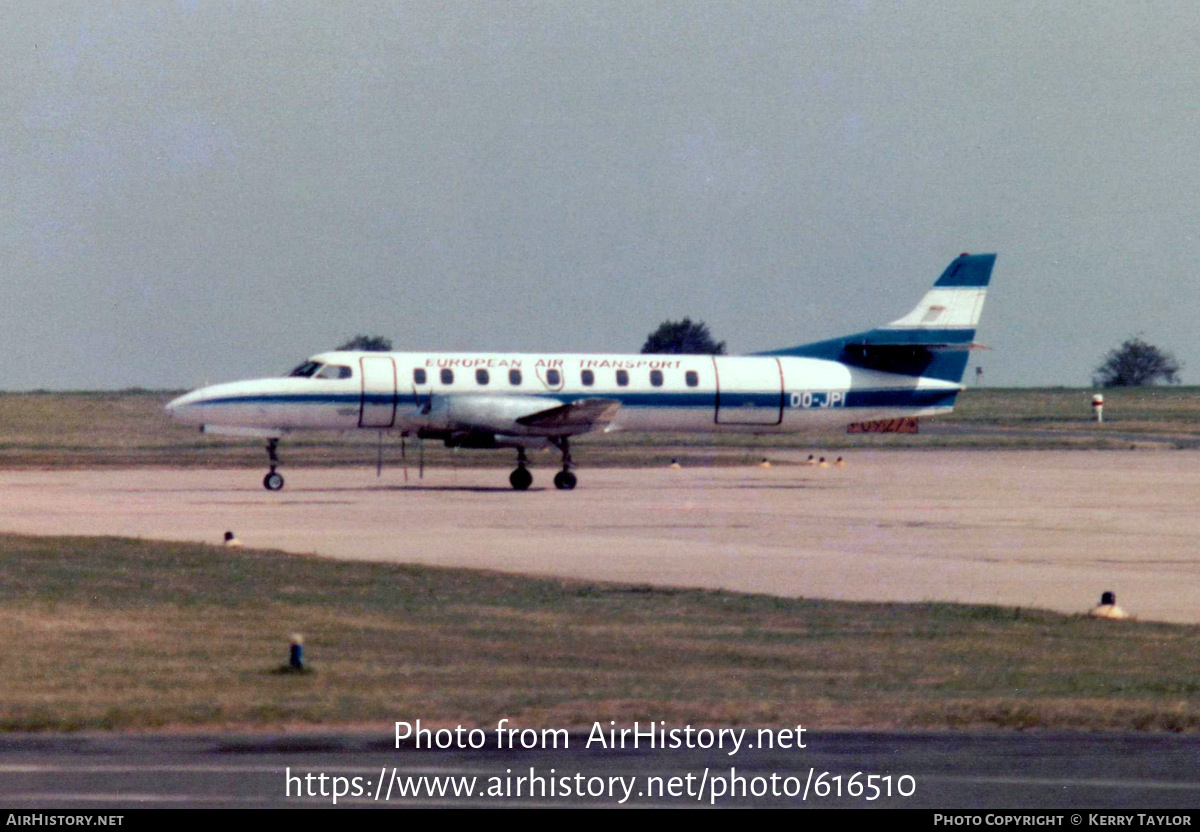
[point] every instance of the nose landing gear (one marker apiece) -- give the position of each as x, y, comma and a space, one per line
273, 481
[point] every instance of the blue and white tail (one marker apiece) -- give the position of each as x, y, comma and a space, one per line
932, 340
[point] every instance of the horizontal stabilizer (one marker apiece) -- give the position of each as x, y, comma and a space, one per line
576, 417
931, 347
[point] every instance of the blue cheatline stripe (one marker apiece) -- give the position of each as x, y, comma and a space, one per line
302, 398
971, 271
880, 398
906, 398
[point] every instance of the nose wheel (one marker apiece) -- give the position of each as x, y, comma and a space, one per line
273, 481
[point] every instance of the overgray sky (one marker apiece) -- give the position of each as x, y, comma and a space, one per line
202, 191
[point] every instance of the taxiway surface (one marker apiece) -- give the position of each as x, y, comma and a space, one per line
1048, 529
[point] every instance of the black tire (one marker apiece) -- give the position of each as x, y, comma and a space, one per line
564, 480
273, 481
520, 479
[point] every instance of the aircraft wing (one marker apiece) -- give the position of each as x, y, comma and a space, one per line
576, 417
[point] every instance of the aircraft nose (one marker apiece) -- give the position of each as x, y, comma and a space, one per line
187, 407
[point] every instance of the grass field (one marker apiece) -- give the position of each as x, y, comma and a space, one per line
125, 634
130, 429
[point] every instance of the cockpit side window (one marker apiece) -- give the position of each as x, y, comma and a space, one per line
335, 371
306, 370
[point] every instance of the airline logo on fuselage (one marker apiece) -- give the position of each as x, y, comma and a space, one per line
584, 364
468, 363
630, 363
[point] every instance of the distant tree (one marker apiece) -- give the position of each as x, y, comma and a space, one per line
368, 343
1136, 364
683, 337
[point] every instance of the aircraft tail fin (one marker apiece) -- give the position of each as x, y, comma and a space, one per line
932, 340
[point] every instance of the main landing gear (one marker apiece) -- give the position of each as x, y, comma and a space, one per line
273, 481
521, 479
564, 480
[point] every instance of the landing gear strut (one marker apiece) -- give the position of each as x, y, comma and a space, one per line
521, 479
273, 481
564, 480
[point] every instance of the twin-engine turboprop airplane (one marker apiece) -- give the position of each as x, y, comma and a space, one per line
911, 367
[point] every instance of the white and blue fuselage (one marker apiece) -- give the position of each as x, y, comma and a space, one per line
912, 367
412, 392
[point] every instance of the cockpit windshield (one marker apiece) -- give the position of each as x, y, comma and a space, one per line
315, 369
335, 371
306, 370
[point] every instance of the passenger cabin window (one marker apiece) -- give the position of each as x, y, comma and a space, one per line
335, 371
622, 378
588, 378
553, 378
418, 375
447, 376
656, 378
514, 378
481, 376
693, 378
306, 370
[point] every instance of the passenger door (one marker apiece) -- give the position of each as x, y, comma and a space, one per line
378, 392
749, 391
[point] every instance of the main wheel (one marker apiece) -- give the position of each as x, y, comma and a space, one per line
564, 480
273, 481
520, 479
